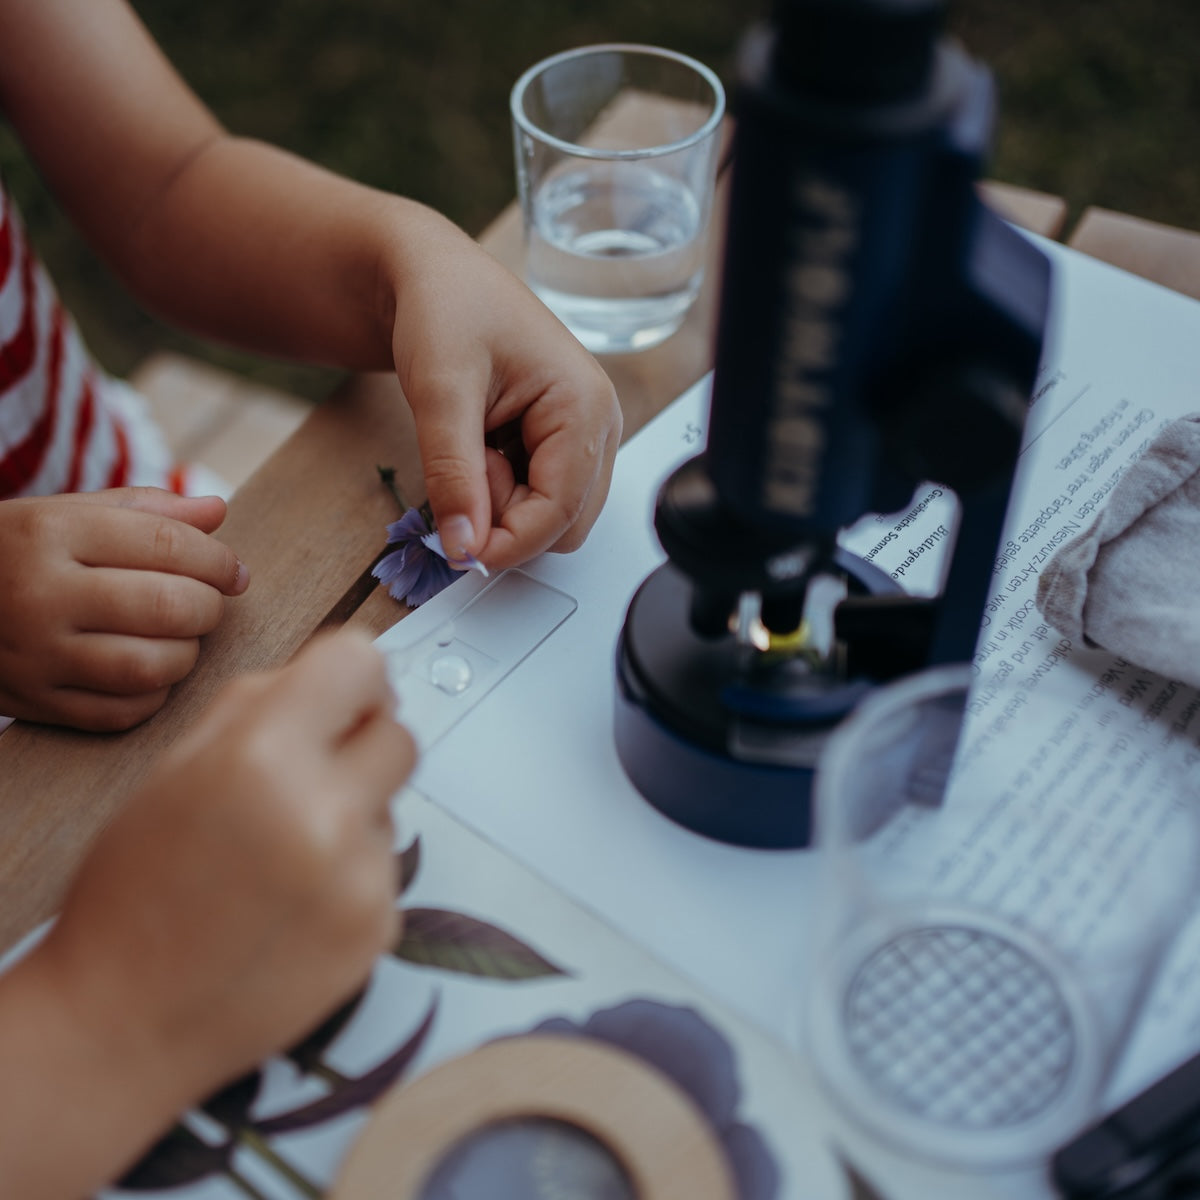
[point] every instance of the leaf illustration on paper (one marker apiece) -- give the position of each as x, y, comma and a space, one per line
307, 1054
349, 1094
451, 941
860, 1187
232, 1103
177, 1158
180, 1157
408, 863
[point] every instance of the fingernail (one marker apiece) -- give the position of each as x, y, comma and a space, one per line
457, 536
241, 581
469, 562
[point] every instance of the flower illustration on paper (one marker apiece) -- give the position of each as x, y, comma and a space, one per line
694, 1055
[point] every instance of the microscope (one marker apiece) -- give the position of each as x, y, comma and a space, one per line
879, 328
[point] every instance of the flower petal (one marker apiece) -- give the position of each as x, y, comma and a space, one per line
410, 527
413, 572
390, 565
696, 1056
434, 575
406, 582
680, 1043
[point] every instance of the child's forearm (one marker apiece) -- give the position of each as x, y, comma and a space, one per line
75, 1111
232, 238
252, 245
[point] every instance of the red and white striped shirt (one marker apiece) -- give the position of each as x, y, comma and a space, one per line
65, 424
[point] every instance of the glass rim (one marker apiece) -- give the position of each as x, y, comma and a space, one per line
841, 752
517, 95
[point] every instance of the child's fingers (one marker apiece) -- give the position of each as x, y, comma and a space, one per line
203, 512
117, 665
336, 683
101, 712
503, 487
452, 458
378, 756
147, 604
142, 541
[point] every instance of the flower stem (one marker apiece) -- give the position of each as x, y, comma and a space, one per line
254, 1141
387, 476
243, 1185
324, 1071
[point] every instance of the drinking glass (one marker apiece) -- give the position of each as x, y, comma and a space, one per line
616, 153
986, 947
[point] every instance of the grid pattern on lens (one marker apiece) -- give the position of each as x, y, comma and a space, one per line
959, 1026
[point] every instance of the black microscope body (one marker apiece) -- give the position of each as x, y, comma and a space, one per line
879, 328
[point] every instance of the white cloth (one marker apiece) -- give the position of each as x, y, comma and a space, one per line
1130, 583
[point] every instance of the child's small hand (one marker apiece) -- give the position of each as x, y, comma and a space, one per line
239, 897
103, 599
477, 353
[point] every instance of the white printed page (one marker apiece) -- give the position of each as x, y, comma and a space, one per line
1112, 746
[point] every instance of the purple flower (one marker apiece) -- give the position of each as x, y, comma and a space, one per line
686, 1048
414, 571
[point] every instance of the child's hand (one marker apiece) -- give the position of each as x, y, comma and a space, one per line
476, 352
103, 599
240, 896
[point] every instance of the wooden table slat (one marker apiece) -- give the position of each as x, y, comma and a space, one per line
1163, 253
1039, 212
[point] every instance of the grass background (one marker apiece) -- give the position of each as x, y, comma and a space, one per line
1100, 101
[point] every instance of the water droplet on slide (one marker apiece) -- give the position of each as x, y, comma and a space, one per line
451, 673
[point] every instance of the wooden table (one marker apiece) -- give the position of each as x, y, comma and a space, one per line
310, 523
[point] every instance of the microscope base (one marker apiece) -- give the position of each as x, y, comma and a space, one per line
719, 797
683, 742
